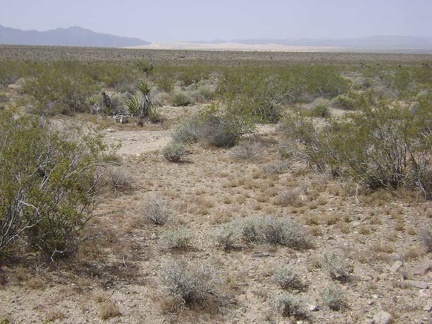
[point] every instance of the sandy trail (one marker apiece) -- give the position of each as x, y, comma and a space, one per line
136, 142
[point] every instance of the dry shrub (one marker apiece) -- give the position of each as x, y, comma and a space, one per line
247, 150
290, 306
158, 211
178, 239
174, 151
272, 230
333, 298
337, 266
52, 315
192, 286
118, 179
288, 278
109, 309
426, 238
291, 197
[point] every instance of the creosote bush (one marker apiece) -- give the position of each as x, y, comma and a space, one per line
377, 147
211, 128
48, 183
59, 90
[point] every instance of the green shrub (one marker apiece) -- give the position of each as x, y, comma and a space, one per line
165, 83
219, 131
252, 94
180, 99
344, 102
380, 147
174, 151
144, 66
47, 184
57, 91
188, 131
322, 110
211, 128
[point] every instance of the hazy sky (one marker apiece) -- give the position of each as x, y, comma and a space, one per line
192, 20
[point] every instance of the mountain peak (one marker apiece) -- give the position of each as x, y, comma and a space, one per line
71, 36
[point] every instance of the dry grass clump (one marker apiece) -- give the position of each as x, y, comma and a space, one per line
226, 237
290, 306
333, 298
272, 230
262, 230
426, 238
174, 151
178, 239
292, 197
118, 179
109, 309
336, 265
288, 278
192, 286
158, 211
247, 150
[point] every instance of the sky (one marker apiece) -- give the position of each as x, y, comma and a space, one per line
201, 20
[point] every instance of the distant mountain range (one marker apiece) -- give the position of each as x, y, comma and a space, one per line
72, 36
77, 36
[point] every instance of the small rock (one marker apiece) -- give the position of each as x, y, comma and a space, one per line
422, 269
425, 293
110, 130
313, 308
417, 284
396, 266
428, 307
382, 318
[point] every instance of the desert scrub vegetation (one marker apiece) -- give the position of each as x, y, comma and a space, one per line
179, 239
334, 298
290, 306
259, 93
158, 211
191, 285
211, 127
385, 146
48, 184
337, 266
263, 230
287, 278
174, 151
